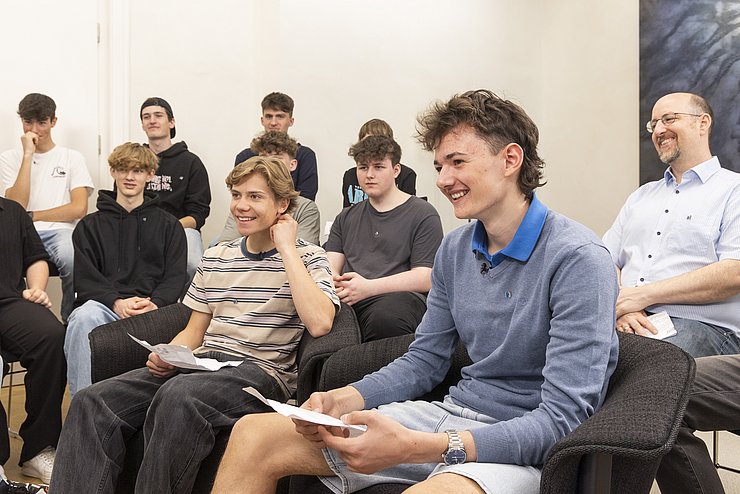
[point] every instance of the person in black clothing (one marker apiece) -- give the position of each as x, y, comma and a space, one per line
277, 115
352, 193
181, 181
129, 257
30, 332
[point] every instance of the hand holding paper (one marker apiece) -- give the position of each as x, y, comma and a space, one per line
183, 358
294, 412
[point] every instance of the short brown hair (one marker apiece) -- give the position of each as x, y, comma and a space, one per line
376, 147
497, 121
37, 106
132, 155
278, 101
274, 142
274, 171
375, 127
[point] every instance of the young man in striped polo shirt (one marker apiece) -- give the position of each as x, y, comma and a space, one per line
252, 298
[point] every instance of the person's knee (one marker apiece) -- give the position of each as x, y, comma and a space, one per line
385, 320
253, 441
444, 483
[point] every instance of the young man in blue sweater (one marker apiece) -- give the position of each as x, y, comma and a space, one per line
529, 292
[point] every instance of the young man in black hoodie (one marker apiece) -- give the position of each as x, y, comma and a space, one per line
129, 257
181, 181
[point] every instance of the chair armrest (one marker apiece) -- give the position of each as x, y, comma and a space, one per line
637, 423
113, 352
313, 352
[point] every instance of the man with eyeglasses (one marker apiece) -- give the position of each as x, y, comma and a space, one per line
676, 241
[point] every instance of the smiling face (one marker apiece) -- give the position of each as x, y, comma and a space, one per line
274, 119
474, 179
40, 128
254, 206
680, 141
155, 122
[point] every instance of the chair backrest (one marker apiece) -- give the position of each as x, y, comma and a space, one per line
636, 425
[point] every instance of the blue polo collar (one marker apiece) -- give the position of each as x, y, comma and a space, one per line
525, 238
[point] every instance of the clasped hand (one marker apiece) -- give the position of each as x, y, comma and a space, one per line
352, 287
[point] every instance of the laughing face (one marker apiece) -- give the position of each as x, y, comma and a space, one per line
254, 206
681, 135
471, 176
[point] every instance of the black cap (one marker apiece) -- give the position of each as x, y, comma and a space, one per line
155, 101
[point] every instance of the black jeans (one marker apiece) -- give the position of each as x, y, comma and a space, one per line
32, 333
390, 314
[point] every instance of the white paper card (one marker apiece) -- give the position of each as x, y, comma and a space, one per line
182, 357
302, 414
664, 325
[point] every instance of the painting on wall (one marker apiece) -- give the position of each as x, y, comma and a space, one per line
693, 46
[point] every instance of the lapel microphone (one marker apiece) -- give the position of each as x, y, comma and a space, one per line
484, 268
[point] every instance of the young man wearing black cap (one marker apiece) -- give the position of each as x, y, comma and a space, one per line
181, 181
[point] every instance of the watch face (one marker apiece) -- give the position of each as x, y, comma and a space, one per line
455, 457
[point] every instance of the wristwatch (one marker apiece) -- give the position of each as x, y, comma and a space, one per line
455, 453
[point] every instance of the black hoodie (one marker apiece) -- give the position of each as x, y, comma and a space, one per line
121, 254
181, 182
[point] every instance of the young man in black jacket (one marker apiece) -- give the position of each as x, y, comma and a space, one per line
129, 257
181, 181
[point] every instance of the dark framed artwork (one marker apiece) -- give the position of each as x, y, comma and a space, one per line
692, 46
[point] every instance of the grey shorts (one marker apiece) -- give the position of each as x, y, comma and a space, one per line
493, 478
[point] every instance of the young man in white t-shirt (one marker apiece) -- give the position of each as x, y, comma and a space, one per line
51, 182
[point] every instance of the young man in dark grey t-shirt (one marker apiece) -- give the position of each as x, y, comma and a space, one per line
381, 250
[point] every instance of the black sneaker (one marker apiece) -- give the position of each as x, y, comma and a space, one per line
11, 487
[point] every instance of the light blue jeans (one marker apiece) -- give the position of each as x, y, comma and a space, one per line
82, 321
58, 244
195, 251
700, 339
436, 416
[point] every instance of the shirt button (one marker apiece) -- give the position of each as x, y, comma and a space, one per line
658, 233
650, 256
677, 191
642, 279
666, 210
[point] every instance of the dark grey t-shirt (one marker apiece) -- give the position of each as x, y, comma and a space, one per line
379, 244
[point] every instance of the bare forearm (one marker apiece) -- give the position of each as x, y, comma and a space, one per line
415, 280
192, 335
21, 189
314, 308
714, 283
37, 275
68, 212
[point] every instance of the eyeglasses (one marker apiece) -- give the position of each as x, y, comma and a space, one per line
668, 119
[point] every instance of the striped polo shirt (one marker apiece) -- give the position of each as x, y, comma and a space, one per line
251, 306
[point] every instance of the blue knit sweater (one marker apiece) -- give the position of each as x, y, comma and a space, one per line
540, 331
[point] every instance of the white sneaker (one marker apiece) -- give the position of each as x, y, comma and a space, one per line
41, 465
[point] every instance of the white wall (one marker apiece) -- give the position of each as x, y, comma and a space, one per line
568, 63
572, 64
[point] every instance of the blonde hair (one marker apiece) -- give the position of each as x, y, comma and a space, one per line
131, 155
276, 175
